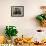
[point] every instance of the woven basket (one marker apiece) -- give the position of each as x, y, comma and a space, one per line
43, 23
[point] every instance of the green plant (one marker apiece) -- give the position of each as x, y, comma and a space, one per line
41, 17
11, 31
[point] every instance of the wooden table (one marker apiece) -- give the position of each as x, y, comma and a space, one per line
25, 44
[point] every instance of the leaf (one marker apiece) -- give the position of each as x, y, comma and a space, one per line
11, 32
45, 16
40, 18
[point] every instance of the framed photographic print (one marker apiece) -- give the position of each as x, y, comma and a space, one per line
17, 11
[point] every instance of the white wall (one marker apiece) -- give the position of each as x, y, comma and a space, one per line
26, 25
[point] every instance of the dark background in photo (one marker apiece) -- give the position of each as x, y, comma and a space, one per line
17, 11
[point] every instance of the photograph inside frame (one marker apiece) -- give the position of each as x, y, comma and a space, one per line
17, 11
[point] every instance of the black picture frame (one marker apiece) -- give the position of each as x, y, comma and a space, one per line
17, 11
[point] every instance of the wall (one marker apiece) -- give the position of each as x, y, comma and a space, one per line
26, 25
